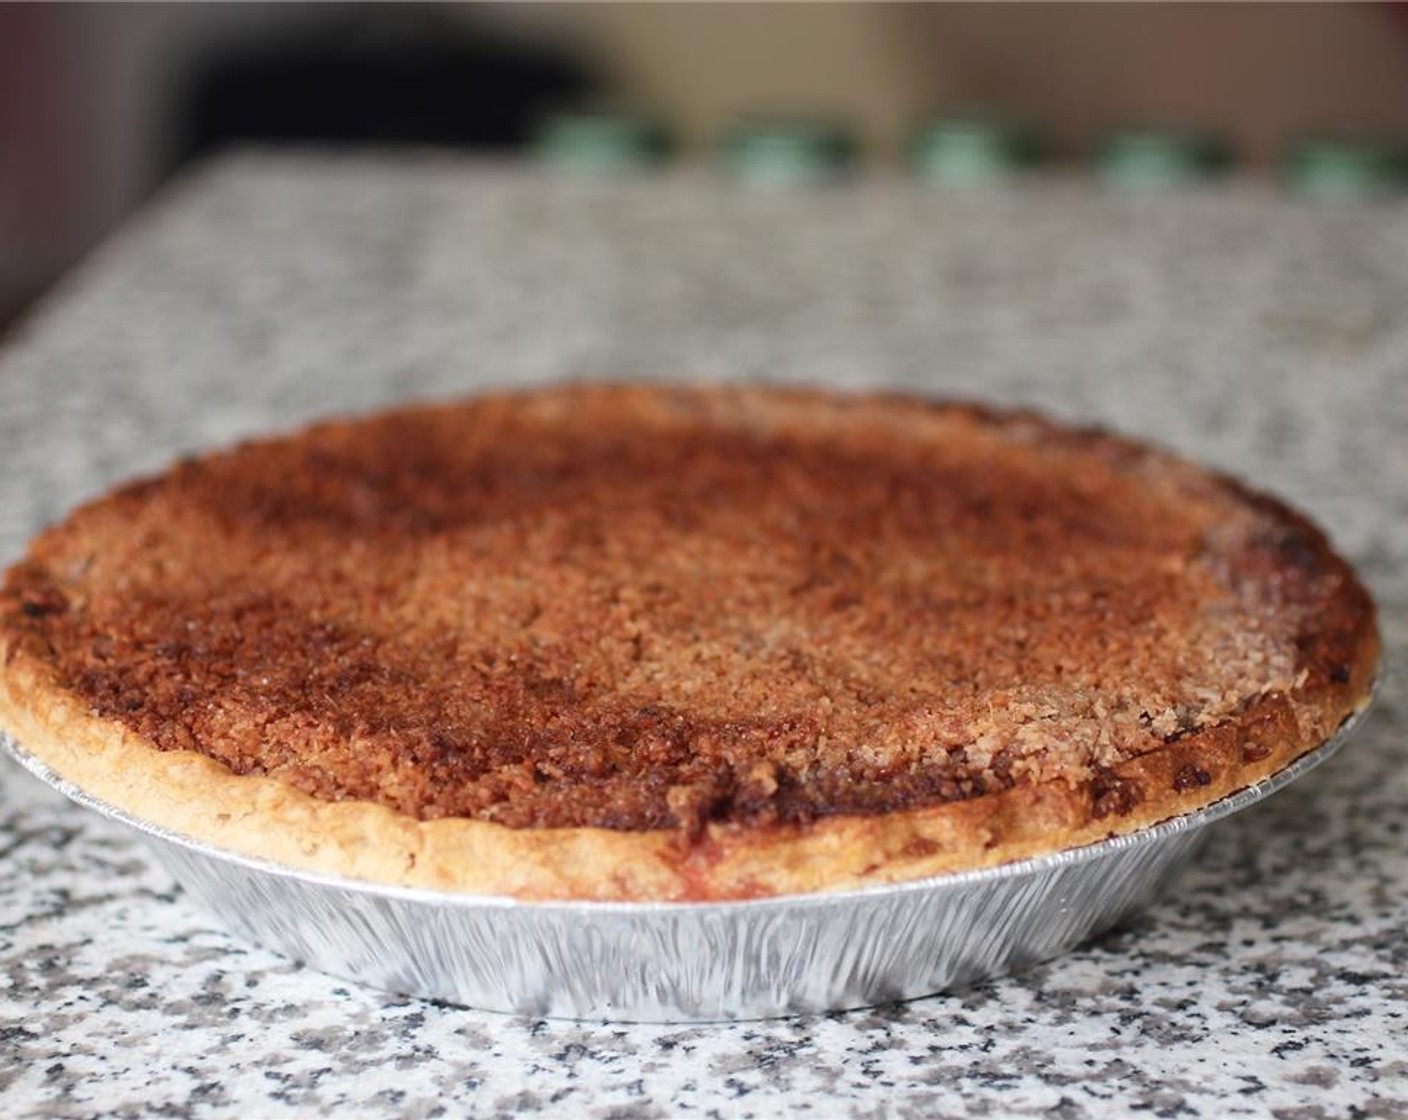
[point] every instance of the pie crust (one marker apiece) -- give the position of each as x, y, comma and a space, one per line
677, 644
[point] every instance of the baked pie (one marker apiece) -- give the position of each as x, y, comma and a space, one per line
667, 643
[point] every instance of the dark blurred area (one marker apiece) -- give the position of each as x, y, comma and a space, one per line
99, 104
397, 74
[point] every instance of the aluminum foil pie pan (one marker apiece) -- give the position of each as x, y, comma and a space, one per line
670, 962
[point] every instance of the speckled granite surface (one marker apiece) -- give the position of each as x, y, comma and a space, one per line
1263, 336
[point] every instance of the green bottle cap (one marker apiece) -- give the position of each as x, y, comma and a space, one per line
1142, 158
787, 153
973, 150
601, 142
1344, 168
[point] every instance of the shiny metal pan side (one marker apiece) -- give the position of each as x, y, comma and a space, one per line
690, 961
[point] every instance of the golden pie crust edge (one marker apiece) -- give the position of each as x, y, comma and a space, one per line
194, 796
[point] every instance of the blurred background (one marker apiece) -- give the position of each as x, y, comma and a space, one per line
99, 104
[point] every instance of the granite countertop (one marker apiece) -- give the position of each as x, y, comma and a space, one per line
1264, 336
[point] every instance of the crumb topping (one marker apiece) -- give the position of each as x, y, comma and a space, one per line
636, 608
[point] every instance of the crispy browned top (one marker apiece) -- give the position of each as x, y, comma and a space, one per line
645, 608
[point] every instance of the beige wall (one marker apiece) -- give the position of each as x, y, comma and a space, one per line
702, 64
1259, 71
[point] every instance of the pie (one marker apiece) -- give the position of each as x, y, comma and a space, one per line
676, 643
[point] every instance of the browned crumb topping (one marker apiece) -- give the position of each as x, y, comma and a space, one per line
635, 608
